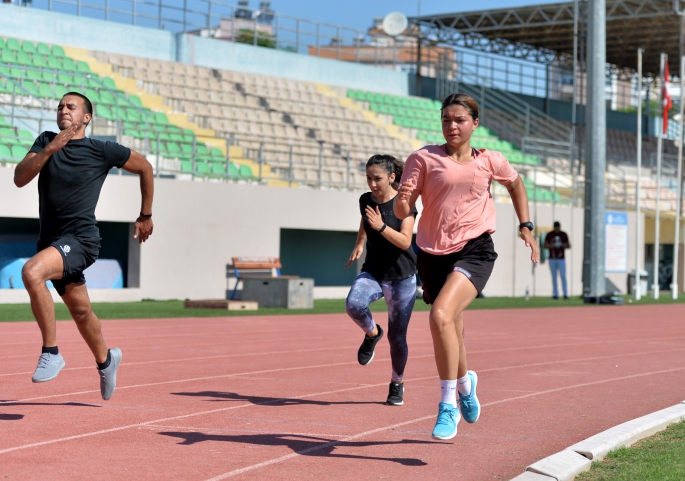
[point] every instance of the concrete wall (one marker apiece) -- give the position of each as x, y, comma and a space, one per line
199, 226
50, 27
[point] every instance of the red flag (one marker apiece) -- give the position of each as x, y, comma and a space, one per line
666, 96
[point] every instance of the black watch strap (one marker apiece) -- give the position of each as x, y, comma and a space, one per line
529, 225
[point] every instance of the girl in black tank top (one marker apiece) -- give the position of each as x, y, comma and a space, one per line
389, 269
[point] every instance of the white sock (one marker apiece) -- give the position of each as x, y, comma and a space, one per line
464, 385
449, 392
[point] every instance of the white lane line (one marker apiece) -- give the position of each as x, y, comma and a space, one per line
154, 427
502, 368
237, 472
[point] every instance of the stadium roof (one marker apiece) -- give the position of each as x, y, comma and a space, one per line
545, 32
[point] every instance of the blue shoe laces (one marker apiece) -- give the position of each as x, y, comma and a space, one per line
446, 416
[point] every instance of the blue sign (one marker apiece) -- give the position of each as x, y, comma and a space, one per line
616, 241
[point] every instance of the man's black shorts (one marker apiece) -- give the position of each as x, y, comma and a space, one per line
78, 254
476, 261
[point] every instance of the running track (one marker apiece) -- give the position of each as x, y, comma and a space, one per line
284, 398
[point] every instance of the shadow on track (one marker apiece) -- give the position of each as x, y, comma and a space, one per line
11, 417
260, 400
302, 445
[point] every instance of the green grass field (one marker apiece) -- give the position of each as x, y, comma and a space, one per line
659, 458
161, 309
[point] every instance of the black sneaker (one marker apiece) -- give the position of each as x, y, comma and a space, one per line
365, 353
395, 394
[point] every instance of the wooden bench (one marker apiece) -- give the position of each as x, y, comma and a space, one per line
254, 267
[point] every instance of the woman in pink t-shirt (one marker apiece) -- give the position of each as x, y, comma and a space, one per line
456, 255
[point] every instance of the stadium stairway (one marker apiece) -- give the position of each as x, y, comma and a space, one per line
156, 103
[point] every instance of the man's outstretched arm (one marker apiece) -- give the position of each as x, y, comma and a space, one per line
137, 164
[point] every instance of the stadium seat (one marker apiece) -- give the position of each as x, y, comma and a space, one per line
245, 171
67, 63
13, 44
58, 51
5, 153
28, 47
82, 67
19, 152
186, 166
54, 63
218, 170
43, 49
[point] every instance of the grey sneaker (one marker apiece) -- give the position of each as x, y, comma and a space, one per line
49, 366
108, 376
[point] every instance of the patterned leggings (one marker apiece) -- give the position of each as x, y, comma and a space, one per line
399, 297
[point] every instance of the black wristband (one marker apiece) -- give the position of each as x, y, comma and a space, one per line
382, 228
147, 216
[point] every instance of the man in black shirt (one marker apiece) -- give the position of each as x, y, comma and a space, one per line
557, 241
72, 170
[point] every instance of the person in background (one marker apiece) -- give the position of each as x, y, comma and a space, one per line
557, 242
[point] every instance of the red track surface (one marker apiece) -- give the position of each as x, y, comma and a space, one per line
284, 398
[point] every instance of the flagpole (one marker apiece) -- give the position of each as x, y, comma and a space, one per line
679, 177
638, 231
659, 148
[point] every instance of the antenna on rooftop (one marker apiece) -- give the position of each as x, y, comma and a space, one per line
395, 23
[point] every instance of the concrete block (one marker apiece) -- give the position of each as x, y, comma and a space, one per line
290, 293
531, 476
596, 447
562, 466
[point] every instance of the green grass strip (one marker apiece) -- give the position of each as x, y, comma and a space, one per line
167, 309
658, 458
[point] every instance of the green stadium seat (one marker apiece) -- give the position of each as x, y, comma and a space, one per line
39, 61
45, 90
5, 154
13, 44
202, 150
82, 67
54, 63
31, 89
164, 137
93, 95
19, 152
233, 170
25, 136
28, 47
60, 91
107, 98
172, 129
3, 44
58, 51
173, 148
216, 153
515, 157
133, 133
68, 64
186, 167
188, 132
132, 115
202, 168
109, 83
161, 118
135, 100
218, 170
65, 78
24, 59
34, 75
8, 56
245, 171
7, 133
104, 112
43, 49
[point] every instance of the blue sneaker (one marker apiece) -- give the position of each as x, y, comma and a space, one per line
446, 425
470, 407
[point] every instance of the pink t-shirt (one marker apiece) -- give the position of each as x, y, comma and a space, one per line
457, 203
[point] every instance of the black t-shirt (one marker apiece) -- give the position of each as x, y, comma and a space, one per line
556, 240
69, 184
384, 260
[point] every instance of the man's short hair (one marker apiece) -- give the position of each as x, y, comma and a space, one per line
557, 224
88, 106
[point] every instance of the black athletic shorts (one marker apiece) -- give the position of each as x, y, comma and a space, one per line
476, 261
78, 254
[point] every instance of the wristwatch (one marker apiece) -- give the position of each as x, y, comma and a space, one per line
529, 225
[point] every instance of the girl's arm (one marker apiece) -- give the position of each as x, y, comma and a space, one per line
519, 197
358, 247
401, 238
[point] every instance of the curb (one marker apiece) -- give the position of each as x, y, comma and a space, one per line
567, 464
